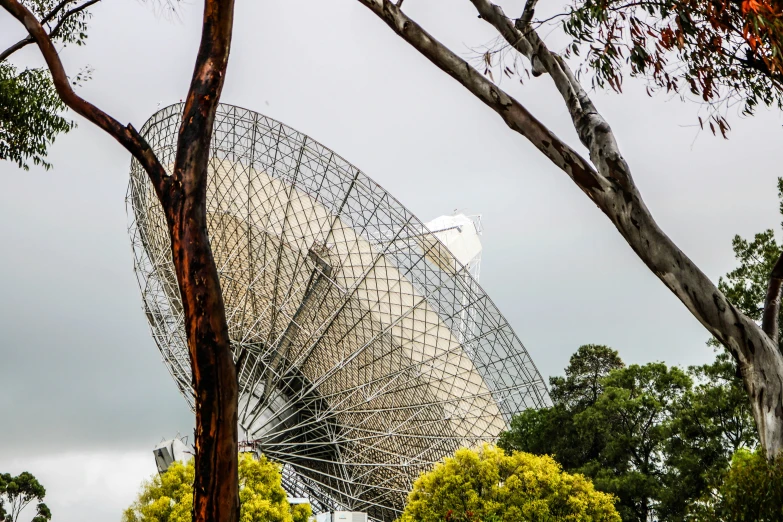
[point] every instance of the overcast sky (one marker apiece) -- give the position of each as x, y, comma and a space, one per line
83, 393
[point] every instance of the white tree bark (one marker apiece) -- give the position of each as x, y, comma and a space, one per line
607, 181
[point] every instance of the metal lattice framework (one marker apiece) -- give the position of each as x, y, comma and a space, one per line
367, 353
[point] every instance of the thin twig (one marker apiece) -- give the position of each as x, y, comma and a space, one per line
46, 19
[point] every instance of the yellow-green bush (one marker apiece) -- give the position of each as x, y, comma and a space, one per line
169, 497
487, 485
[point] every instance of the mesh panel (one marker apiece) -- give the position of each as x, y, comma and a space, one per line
367, 352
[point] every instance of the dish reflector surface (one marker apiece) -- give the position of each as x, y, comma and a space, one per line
366, 352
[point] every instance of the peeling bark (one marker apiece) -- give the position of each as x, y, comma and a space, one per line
770, 317
608, 182
183, 197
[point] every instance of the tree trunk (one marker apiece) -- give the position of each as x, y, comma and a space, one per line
215, 491
216, 485
763, 380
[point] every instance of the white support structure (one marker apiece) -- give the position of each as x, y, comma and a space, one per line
168, 452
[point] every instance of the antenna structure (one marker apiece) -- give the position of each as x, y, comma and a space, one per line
366, 350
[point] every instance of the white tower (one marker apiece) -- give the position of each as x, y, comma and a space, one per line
461, 234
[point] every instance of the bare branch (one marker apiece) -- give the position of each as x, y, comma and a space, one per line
126, 135
21, 44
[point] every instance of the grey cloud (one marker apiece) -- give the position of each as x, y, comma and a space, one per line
78, 368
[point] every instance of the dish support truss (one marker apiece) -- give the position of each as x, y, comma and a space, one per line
357, 367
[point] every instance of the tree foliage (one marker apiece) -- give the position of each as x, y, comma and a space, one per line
168, 497
716, 49
66, 22
30, 115
18, 492
553, 431
654, 436
713, 420
488, 485
583, 381
751, 490
635, 413
31, 112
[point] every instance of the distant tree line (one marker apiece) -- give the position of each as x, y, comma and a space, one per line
657, 437
637, 443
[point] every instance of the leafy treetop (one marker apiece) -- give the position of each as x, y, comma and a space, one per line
746, 285
30, 115
553, 431
654, 436
18, 492
582, 384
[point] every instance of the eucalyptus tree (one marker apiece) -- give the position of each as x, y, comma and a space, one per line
17, 493
607, 179
182, 194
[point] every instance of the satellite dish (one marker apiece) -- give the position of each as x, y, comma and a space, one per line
367, 351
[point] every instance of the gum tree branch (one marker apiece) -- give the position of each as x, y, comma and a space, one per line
610, 186
517, 117
21, 44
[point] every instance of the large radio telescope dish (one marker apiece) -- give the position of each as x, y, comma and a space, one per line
367, 353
